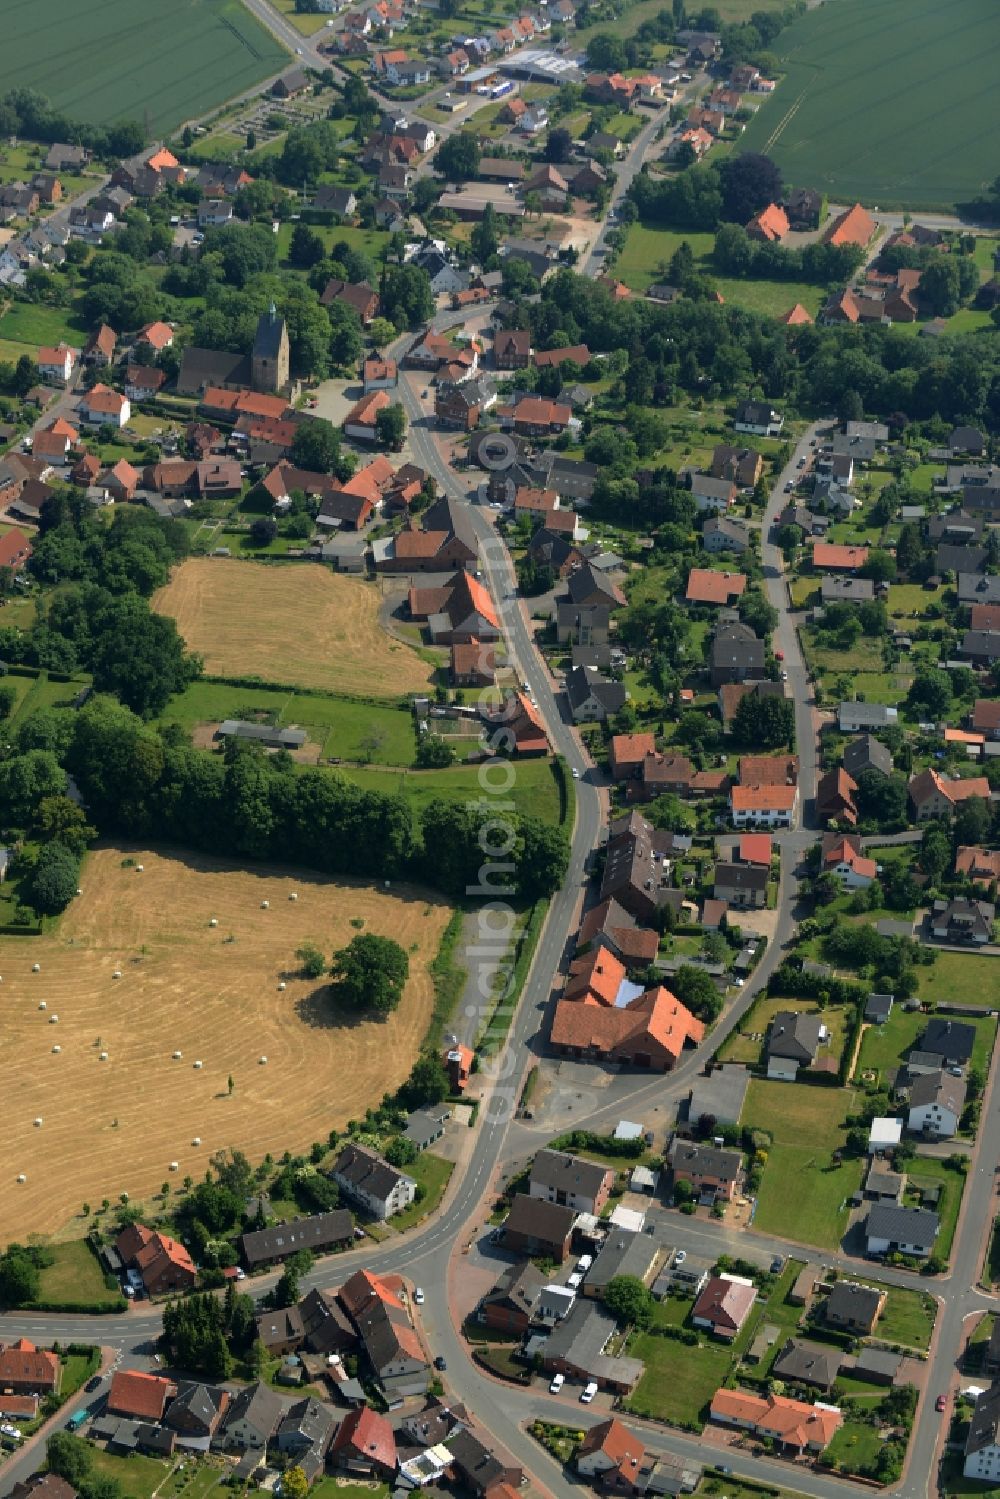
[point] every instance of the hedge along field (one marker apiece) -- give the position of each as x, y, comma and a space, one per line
886, 101
160, 62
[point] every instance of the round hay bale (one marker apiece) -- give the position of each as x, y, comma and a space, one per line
36, 967
281, 987
56, 1050
139, 868
197, 1066
173, 1166
21, 1177
177, 1056
53, 1020
214, 921
117, 974
39, 1122
103, 1057
262, 1061
265, 905
196, 1140
293, 896
42, 1005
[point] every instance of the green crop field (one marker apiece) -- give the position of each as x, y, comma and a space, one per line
880, 100
160, 62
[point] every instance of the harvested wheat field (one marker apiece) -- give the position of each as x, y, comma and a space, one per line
296, 624
212, 994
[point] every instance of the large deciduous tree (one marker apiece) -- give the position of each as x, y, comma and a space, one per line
369, 973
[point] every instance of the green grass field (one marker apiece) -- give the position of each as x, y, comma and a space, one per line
961, 978
534, 790
32, 324
75, 1275
144, 60
640, 264
339, 725
877, 99
802, 1196
908, 1316
433, 1174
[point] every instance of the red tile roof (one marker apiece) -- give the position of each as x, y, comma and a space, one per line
656, 1015
630, 749
762, 798
831, 554
614, 1441
21, 1363
770, 224
595, 978
367, 1435
855, 226
133, 1393
794, 316
364, 412
104, 401
789, 1421
158, 335
706, 586
755, 848
768, 770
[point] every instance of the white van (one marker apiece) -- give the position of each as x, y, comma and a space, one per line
558, 1380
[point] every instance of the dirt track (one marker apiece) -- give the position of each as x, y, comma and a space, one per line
297, 623
185, 987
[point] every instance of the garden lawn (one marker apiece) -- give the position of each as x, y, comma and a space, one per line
679, 1382
802, 1196
308, 22
534, 791
908, 1317
345, 729
76, 1276
368, 242
639, 265
931, 1171
741, 1047
855, 1447
138, 1475
33, 324
433, 1174
884, 1046
965, 978
337, 1488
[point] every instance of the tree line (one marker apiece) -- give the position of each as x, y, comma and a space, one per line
139, 781
709, 351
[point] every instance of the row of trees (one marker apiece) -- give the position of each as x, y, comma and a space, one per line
736, 254
137, 781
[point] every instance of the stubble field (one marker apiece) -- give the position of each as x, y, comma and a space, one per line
297, 624
212, 994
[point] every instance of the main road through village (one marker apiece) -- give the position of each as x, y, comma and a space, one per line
432, 1254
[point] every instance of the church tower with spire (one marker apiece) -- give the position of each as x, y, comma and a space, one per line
270, 357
